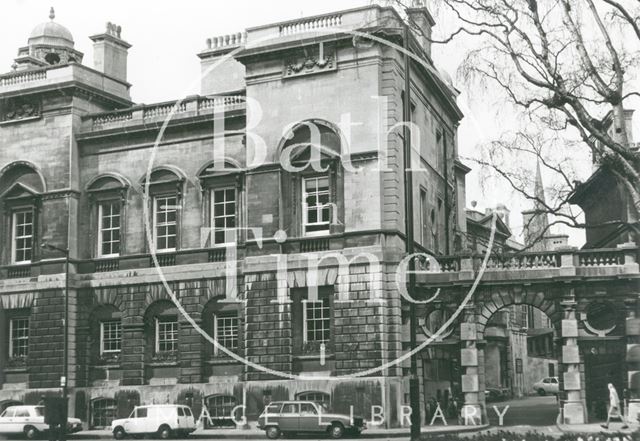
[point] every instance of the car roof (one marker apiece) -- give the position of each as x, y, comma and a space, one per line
162, 405
291, 402
23, 406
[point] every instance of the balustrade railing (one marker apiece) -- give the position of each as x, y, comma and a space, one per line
164, 259
164, 109
597, 258
309, 25
142, 113
107, 119
314, 245
524, 261
18, 272
107, 265
23, 77
227, 41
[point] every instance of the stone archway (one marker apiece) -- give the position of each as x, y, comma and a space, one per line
558, 306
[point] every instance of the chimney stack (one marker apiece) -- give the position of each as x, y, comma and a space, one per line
421, 23
110, 52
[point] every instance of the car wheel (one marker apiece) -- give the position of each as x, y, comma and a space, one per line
164, 432
272, 432
336, 431
30, 432
542, 392
119, 433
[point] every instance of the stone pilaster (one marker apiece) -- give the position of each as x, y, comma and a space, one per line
471, 363
574, 411
268, 326
632, 331
191, 347
133, 342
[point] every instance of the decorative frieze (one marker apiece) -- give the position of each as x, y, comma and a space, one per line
20, 108
311, 60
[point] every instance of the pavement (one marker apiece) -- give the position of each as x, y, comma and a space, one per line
254, 433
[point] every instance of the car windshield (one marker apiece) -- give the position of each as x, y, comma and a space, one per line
325, 407
39, 410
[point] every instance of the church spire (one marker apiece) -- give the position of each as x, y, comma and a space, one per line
52, 13
538, 190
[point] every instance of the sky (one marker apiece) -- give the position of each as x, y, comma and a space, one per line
167, 35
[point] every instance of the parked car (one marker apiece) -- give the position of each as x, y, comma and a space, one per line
163, 420
549, 385
29, 421
288, 417
494, 394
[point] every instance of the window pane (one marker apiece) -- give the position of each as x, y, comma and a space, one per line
317, 204
166, 222
223, 214
111, 336
317, 321
226, 332
109, 234
167, 332
19, 337
22, 235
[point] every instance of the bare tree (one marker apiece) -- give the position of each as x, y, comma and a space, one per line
568, 67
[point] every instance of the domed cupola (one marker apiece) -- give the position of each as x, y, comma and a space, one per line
50, 43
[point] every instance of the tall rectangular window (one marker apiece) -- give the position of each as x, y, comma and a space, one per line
165, 215
109, 229
166, 334
223, 215
440, 228
19, 341
22, 236
317, 320
424, 224
110, 336
227, 330
316, 207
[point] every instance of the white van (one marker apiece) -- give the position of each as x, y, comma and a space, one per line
164, 420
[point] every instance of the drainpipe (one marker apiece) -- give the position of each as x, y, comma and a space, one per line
414, 384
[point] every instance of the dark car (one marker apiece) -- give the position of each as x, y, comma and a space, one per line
288, 417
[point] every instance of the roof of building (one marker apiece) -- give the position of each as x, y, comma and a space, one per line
52, 30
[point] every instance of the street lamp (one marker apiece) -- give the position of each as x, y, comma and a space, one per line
65, 347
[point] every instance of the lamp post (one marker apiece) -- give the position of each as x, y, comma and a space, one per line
65, 346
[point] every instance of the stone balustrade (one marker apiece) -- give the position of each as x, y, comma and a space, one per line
227, 41
570, 262
310, 25
155, 112
23, 77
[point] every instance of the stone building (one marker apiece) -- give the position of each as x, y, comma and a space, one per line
291, 270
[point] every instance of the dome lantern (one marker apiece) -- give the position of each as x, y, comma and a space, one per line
49, 43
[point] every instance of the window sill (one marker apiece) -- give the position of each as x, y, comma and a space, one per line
162, 363
222, 360
106, 365
330, 356
15, 369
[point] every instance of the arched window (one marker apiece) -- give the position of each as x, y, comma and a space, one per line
21, 187
220, 408
222, 185
312, 181
165, 191
316, 396
103, 411
107, 196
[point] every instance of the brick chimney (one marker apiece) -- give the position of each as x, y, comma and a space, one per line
110, 52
